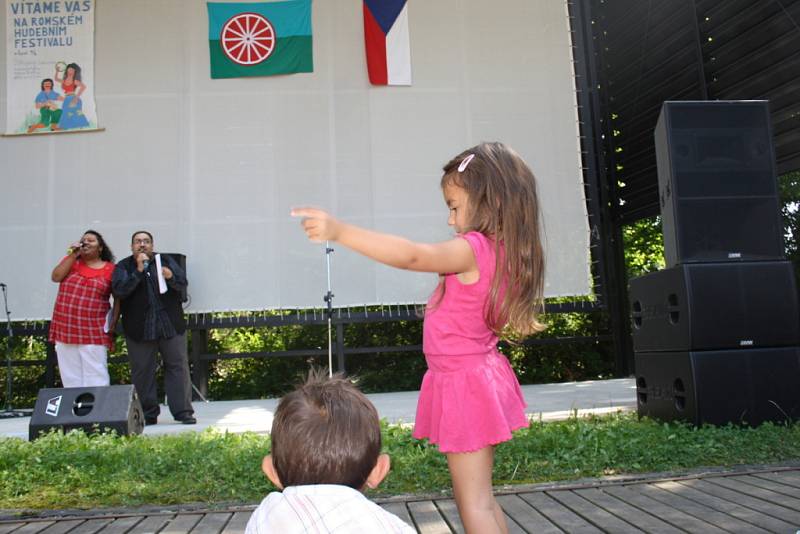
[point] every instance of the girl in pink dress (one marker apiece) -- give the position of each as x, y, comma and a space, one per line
491, 283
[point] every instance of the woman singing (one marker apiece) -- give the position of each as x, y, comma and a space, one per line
78, 327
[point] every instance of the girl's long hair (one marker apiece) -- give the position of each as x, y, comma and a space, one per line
504, 206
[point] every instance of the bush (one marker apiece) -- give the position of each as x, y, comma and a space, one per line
26, 380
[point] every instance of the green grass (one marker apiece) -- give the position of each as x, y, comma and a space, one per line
76, 471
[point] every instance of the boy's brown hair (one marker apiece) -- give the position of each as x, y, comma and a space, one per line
325, 432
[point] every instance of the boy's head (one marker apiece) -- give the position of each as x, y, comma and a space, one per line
326, 432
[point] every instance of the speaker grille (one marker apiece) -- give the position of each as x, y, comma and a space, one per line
716, 175
728, 229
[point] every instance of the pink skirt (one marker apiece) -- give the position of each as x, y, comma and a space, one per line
469, 402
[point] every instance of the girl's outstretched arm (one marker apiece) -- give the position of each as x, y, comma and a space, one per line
453, 256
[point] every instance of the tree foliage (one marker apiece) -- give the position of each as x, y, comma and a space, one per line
789, 191
643, 244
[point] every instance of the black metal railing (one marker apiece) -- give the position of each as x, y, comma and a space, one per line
201, 324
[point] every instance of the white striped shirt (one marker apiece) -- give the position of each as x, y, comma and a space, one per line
320, 509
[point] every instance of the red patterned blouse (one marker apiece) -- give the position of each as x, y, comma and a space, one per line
81, 306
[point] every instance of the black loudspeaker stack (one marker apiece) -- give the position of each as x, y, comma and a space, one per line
91, 409
716, 334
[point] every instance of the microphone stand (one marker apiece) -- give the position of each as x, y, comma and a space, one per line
329, 299
9, 411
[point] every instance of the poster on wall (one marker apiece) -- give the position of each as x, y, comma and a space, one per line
50, 66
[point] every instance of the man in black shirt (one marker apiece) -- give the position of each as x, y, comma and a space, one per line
153, 322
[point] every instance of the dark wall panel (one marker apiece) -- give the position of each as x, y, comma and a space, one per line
651, 51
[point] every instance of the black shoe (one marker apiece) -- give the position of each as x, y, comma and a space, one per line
188, 420
150, 421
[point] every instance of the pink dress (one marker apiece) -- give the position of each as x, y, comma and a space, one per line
470, 397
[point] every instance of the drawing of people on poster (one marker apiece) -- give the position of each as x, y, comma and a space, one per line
50, 48
72, 111
48, 102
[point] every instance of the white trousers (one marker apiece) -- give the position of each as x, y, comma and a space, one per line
82, 365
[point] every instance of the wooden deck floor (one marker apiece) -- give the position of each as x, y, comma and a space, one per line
751, 501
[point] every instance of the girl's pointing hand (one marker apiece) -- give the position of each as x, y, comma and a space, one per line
318, 224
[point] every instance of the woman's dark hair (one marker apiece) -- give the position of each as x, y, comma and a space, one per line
48, 80
105, 252
77, 70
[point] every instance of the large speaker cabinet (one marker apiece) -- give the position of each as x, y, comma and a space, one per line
92, 409
748, 386
717, 182
713, 306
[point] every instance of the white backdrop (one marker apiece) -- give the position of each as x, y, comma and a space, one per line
212, 167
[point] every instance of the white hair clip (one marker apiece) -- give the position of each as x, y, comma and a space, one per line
465, 162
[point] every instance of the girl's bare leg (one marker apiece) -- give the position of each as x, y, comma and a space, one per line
472, 485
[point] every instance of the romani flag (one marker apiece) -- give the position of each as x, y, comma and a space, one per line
259, 39
387, 44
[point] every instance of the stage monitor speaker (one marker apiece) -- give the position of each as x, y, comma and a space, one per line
748, 386
92, 409
717, 182
711, 306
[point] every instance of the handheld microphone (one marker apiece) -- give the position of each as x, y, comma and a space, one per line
2, 285
145, 264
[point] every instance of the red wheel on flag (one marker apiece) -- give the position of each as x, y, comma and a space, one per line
247, 38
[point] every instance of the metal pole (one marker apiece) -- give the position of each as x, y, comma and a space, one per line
9, 336
329, 299
9, 410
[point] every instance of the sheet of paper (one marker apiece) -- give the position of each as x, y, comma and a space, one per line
162, 284
109, 316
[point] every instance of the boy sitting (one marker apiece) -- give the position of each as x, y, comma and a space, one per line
326, 442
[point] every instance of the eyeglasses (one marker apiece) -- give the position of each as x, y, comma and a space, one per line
142, 241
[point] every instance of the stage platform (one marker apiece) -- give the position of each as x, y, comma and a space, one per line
548, 401
746, 499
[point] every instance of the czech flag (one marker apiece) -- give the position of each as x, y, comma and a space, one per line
387, 44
